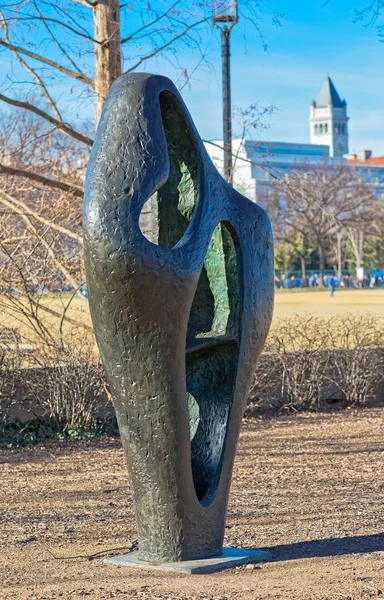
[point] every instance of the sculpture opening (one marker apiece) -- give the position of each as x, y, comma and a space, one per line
213, 328
211, 358
166, 214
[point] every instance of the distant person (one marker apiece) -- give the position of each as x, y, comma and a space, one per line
332, 286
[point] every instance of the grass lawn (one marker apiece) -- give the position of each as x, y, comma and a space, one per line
287, 304
49, 311
318, 303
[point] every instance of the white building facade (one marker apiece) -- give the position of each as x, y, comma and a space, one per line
255, 164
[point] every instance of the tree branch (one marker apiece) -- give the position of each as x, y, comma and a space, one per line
164, 46
53, 183
63, 127
80, 76
32, 72
51, 253
20, 208
58, 44
55, 313
84, 34
87, 3
130, 37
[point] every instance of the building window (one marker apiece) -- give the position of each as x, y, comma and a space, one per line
336, 129
326, 128
321, 128
316, 128
343, 128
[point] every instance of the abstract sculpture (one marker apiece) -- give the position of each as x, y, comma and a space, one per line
179, 320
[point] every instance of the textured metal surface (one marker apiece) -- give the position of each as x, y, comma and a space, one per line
179, 320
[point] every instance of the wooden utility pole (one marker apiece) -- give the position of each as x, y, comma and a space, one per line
106, 20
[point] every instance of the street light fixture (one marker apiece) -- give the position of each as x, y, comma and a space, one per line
225, 16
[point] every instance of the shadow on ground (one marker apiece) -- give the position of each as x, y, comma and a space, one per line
359, 544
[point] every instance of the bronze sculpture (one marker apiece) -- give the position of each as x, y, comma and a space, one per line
179, 320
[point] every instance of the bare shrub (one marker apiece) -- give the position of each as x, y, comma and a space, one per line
310, 362
265, 393
300, 345
10, 365
62, 372
67, 383
358, 358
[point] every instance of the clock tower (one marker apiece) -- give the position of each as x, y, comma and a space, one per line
329, 120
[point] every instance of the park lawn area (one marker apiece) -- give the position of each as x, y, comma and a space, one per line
49, 311
288, 303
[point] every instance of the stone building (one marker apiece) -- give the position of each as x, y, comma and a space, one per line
257, 162
329, 120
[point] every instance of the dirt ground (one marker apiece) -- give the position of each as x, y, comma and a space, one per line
310, 488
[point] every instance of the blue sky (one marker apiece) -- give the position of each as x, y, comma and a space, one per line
314, 40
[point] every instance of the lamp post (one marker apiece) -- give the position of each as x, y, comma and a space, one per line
225, 16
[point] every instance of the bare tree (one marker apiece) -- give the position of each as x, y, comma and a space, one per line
63, 58
320, 202
299, 243
367, 228
40, 227
82, 46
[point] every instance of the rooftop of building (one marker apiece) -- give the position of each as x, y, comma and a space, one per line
364, 158
286, 148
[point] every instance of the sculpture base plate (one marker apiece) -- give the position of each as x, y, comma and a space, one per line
231, 557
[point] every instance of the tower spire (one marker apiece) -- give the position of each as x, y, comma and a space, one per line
328, 95
329, 120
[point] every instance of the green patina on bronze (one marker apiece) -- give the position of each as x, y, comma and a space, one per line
215, 308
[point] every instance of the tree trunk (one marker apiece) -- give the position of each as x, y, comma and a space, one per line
356, 239
302, 258
339, 257
286, 260
361, 248
303, 269
321, 264
106, 19
357, 252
